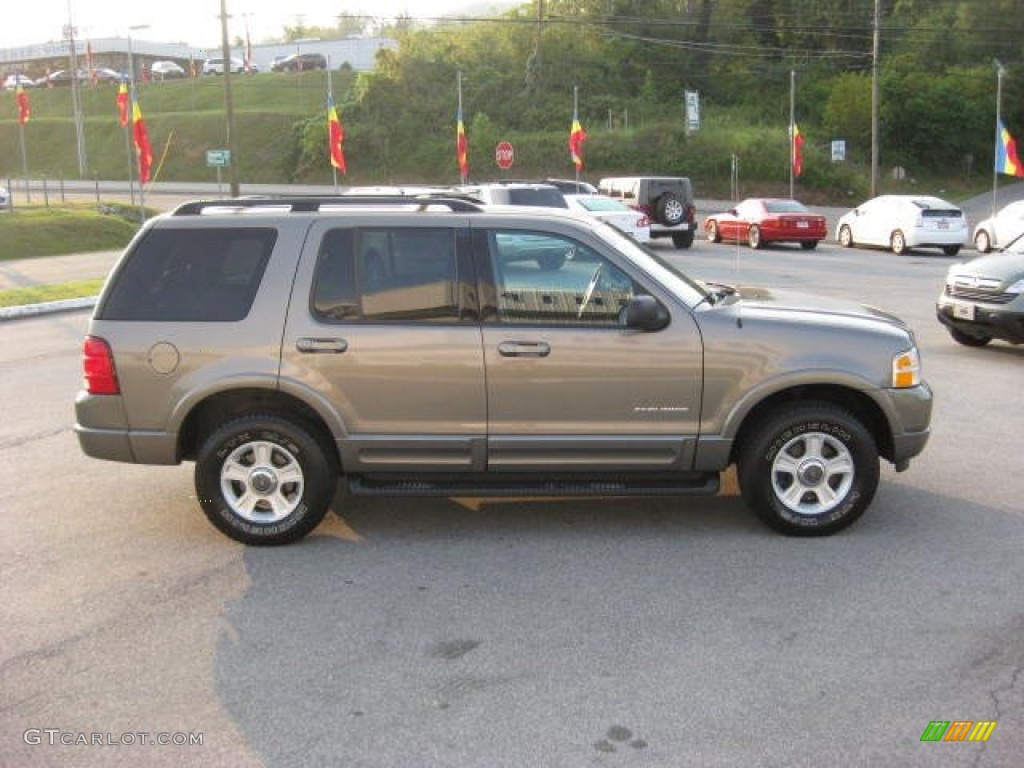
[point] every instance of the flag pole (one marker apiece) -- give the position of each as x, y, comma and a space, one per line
792, 123
24, 160
458, 80
995, 147
575, 115
330, 101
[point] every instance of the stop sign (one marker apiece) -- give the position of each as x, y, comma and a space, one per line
504, 155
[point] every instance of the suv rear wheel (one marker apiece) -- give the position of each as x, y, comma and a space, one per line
682, 239
669, 210
809, 469
264, 480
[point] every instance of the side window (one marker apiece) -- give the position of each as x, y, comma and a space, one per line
191, 275
546, 279
387, 274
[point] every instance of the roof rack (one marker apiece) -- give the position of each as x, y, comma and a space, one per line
299, 204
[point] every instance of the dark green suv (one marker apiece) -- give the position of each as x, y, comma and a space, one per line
433, 346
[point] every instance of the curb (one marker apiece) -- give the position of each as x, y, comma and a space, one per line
47, 308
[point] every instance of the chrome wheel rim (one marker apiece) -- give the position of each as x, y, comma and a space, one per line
262, 482
674, 210
812, 474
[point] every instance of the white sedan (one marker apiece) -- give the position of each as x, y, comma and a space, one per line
902, 222
997, 231
5, 199
633, 222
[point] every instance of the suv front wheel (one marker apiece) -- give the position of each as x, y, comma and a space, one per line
809, 469
264, 479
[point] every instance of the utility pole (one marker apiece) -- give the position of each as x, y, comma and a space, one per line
229, 105
874, 102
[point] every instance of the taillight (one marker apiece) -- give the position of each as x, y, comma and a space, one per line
643, 221
691, 213
98, 367
647, 210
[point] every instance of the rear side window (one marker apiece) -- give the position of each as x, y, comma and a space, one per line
191, 275
409, 275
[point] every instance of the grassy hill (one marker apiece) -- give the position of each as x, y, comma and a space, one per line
281, 134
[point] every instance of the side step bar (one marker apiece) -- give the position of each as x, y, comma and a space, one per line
504, 485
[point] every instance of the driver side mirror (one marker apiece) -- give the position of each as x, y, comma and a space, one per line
644, 313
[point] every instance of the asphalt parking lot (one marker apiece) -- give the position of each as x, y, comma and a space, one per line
468, 632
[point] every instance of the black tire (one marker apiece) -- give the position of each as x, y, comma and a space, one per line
682, 239
669, 210
898, 243
754, 237
982, 242
845, 236
951, 250
967, 339
265, 452
711, 229
818, 450
808, 245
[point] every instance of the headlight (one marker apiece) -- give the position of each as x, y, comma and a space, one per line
951, 273
1017, 287
906, 369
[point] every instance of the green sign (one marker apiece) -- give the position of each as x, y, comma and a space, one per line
218, 158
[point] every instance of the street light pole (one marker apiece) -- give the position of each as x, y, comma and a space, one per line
76, 106
229, 106
1000, 71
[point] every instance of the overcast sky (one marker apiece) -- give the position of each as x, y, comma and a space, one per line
197, 21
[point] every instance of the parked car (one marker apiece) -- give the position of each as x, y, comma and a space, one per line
13, 81
515, 193
437, 349
566, 186
631, 221
166, 70
299, 62
903, 222
216, 66
983, 298
759, 220
61, 77
104, 75
996, 231
5, 199
666, 200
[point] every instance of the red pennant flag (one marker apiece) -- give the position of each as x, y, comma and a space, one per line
122, 103
336, 136
461, 147
798, 151
141, 138
576, 138
24, 110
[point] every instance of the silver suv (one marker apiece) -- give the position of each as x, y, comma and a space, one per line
433, 346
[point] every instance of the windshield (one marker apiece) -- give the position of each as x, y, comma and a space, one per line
653, 264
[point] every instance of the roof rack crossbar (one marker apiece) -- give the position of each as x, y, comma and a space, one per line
298, 204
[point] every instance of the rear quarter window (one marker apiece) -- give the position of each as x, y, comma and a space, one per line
190, 275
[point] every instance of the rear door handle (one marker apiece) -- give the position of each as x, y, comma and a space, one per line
524, 349
321, 346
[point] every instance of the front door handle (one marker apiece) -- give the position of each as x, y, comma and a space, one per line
321, 345
524, 349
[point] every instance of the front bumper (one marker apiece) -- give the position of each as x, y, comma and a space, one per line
993, 322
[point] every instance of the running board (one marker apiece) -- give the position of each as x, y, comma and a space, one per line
503, 485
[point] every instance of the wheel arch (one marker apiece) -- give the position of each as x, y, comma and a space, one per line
858, 403
219, 407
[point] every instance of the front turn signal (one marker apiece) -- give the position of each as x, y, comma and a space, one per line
906, 369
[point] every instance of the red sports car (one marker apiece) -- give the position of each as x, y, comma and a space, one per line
760, 220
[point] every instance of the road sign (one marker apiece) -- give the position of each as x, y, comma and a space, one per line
218, 158
504, 154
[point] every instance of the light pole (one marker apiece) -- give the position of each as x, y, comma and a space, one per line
229, 105
76, 107
1000, 71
